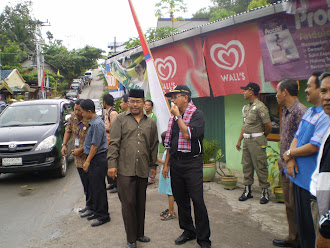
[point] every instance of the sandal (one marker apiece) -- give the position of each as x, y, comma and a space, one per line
165, 212
169, 217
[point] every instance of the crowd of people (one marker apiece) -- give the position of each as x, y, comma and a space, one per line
124, 149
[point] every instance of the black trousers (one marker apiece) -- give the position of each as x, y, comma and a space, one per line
187, 183
96, 173
87, 191
132, 195
304, 218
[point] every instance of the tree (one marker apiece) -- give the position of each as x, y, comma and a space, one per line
151, 35
170, 7
17, 25
257, 3
217, 14
202, 13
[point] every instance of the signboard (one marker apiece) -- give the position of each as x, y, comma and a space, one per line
233, 59
296, 45
183, 63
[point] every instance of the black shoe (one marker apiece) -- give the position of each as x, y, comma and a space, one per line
92, 217
99, 222
87, 213
131, 245
247, 194
205, 246
264, 196
114, 190
83, 210
283, 243
143, 239
110, 186
183, 238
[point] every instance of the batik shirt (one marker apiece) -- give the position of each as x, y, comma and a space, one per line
79, 130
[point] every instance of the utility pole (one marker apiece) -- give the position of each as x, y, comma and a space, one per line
39, 57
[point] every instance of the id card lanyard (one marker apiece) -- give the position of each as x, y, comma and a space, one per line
76, 141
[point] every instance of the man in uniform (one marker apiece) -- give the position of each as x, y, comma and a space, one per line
77, 126
132, 151
256, 126
184, 139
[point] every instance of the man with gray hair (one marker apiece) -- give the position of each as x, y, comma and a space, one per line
292, 112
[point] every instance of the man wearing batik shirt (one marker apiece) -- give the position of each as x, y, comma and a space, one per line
301, 161
292, 112
78, 127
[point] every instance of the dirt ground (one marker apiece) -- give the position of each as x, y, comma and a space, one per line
233, 223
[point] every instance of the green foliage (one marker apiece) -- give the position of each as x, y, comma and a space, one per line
257, 3
202, 13
71, 63
274, 174
18, 26
209, 150
217, 14
151, 35
169, 7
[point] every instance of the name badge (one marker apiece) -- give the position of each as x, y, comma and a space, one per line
76, 142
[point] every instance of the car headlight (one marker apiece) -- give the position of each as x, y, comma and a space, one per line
47, 143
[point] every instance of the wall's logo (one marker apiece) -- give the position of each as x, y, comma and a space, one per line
228, 56
166, 67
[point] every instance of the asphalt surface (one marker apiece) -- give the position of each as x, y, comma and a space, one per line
32, 204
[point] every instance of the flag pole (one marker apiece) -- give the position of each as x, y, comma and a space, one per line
145, 47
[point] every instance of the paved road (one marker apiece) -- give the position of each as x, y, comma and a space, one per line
32, 204
94, 91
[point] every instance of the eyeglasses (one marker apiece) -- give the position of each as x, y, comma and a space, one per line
135, 101
175, 97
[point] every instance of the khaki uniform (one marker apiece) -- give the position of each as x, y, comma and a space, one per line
255, 116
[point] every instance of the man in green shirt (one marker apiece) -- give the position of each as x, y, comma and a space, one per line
132, 151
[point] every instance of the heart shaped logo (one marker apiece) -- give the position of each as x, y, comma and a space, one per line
166, 68
228, 56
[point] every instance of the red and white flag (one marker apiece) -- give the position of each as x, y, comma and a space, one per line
161, 107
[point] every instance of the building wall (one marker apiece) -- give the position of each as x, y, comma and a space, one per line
214, 114
14, 80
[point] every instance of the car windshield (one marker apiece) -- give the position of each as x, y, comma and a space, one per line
29, 115
72, 93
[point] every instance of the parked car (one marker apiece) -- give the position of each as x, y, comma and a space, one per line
76, 86
89, 75
78, 80
98, 108
72, 95
31, 136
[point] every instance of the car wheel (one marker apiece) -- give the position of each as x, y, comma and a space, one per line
61, 171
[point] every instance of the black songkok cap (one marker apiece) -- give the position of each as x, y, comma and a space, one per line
136, 93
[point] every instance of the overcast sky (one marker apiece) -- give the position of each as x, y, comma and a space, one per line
97, 22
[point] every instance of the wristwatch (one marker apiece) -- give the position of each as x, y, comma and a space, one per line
288, 153
177, 117
65, 145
